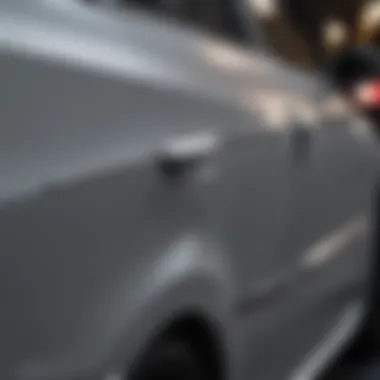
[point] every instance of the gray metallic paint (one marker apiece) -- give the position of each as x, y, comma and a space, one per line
99, 248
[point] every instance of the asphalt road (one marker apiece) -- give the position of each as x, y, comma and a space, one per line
356, 367
363, 369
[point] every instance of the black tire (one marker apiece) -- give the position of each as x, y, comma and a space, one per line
169, 359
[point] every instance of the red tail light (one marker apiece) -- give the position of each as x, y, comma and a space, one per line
367, 94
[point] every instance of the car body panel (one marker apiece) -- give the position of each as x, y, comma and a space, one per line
100, 247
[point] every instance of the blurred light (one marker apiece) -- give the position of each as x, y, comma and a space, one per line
369, 21
334, 34
367, 94
264, 8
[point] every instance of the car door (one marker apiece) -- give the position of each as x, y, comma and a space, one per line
335, 220
320, 299
249, 198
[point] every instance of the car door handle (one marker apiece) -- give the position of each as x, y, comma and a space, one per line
181, 155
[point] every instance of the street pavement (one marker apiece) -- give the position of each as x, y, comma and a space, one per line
353, 367
367, 369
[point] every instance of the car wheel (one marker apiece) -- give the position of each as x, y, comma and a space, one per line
169, 359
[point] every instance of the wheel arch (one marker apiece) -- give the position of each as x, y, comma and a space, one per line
200, 334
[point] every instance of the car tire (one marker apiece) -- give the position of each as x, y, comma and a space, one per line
170, 359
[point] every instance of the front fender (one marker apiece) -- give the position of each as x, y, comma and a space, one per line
190, 275
187, 279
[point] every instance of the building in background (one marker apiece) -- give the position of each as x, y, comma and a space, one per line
368, 28
309, 33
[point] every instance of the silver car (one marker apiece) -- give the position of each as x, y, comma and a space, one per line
177, 202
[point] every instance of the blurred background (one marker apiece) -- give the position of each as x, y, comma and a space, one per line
327, 25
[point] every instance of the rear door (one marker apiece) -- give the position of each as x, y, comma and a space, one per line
338, 190
324, 215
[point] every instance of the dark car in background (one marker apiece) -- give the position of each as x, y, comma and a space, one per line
179, 198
